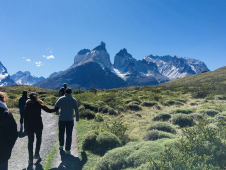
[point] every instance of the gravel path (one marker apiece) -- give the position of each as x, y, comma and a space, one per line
68, 162
19, 158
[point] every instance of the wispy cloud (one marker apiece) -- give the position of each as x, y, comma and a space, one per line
49, 49
38, 64
48, 57
28, 60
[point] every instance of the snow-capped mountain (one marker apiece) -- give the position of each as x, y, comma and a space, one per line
137, 72
91, 68
5, 79
26, 78
175, 67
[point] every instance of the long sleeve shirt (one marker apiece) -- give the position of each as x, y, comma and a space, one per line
67, 106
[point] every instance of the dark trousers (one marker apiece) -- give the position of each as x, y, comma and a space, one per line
31, 141
68, 125
4, 165
21, 118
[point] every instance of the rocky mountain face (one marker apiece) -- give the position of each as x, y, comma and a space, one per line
26, 78
93, 68
175, 67
5, 79
136, 72
55, 73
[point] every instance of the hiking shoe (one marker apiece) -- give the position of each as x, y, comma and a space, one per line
67, 152
61, 147
37, 157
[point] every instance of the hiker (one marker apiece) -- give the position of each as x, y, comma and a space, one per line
8, 133
66, 118
62, 90
22, 103
33, 123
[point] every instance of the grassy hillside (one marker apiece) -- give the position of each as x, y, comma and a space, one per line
128, 128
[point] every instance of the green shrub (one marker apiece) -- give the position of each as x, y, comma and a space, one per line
162, 116
89, 142
193, 104
12, 96
199, 148
184, 111
86, 113
107, 141
149, 104
104, 109
162, 126
90, 106
182, 120
134, 102
12, 103
112, 112
101, 142
133, 155
209, 112
196, 116
155, 135
221, 115
98, 118
134, 107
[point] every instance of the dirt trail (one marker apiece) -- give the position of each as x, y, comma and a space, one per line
69, 162
19, 158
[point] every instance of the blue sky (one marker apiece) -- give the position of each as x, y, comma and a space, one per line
44, 36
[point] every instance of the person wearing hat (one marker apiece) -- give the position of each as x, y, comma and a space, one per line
33, 123
8, 133
62, 90
67, 106
22, 103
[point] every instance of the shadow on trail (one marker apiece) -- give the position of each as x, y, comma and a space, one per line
37, 166
69, 162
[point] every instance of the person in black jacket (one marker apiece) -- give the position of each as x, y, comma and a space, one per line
8, 133
22, 103
62, 90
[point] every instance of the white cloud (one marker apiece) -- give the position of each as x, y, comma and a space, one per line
48, 57
38, 63
28, 60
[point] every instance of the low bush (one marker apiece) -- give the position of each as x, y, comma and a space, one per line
91, 106
209, 112
101, 142
155, 135
98, 118
134, 107
89, 142
196, 116
193, 104
107, 141
162, 126
162, 116
104, 109
86, 113
112, 112
182, 120
134, 102
134, 155
221, 115
149, 104
199, 148
184, 111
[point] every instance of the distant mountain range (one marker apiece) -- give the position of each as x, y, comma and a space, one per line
26, 78
93, 68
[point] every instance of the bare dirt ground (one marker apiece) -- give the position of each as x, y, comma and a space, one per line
19, 158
